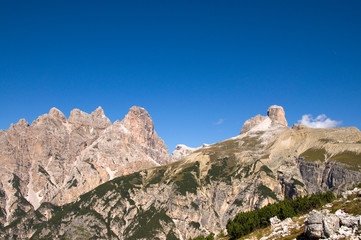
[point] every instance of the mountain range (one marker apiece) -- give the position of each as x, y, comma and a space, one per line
86, 178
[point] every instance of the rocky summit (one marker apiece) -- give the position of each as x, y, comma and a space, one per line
193, 196
56, 159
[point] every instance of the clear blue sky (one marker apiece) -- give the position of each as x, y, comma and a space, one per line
189, 63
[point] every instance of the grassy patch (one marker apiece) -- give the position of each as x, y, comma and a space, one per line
251, 143
350, 158
314, 154
157, 176
353, 207
326, 140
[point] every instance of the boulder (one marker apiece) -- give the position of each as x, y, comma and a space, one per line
331, 224
314, 225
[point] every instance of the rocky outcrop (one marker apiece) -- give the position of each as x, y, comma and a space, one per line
251, 123
275, 118
182, 151
276, 113
332, 226
56, 159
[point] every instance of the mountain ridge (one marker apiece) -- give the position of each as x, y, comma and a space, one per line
199, 193
55, 159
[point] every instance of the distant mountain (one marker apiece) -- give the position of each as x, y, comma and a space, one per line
56, 159
199, 193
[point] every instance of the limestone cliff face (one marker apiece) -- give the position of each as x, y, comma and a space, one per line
200, 192
56, 159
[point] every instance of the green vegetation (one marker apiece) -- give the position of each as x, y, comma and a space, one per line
326, 140
151, 221
43, 171
221, 169
195, 225
352, 159
249, 169
186, 180
171, 235
265, 192
88, 161
238, 202
73, 183
297, 182
251, 143
267, 170
194, 205
209, 237
314, 154
246, 222
15, 182
157, 176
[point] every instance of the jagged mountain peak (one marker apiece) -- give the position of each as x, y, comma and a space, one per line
96, 119
57, 114
56, 159
98, 113
138, 117
21, 123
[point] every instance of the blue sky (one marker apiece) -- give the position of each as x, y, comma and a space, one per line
191, 64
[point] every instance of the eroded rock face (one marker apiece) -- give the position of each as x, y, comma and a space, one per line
201, 191
250, 123
56, 159
276, 113
141, 125
275, 118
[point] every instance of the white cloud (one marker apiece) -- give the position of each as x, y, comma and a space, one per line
220, 121
321, 121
